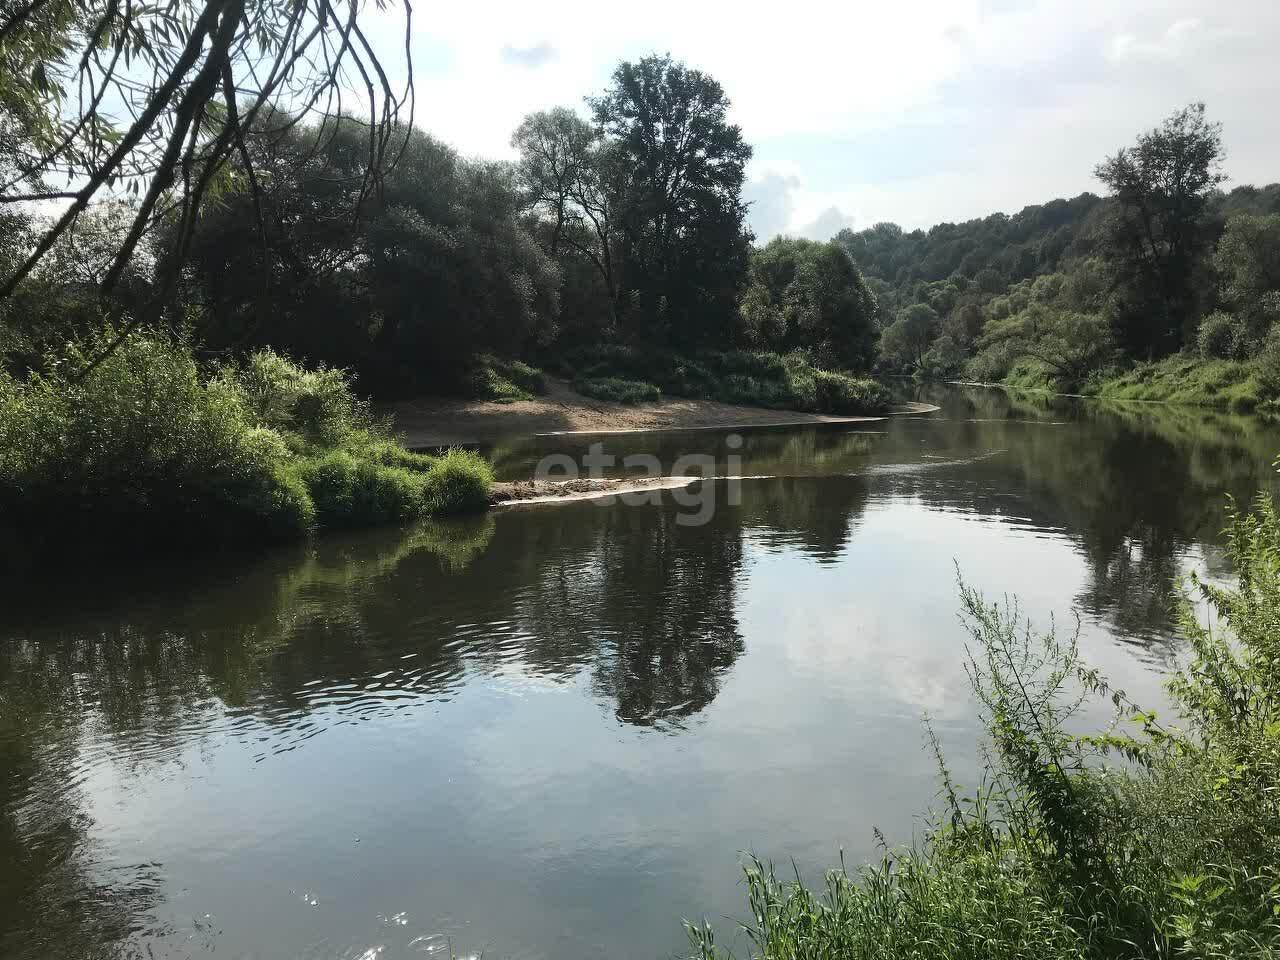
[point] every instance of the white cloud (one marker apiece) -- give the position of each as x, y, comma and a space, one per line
917, 111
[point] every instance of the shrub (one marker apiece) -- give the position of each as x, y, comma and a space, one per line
143, 447
351, 492
1268, 365
629, 375
149, 450
320, 404
837, 393
505, 380
617, 390
458, 482
1222, 336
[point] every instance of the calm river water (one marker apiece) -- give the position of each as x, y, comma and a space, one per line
551, 732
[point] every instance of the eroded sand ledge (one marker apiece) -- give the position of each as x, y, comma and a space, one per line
561, 491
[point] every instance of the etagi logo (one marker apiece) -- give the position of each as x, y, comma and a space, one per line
693, 481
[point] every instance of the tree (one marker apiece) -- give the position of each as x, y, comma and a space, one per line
437, 266
555, 154
1157, 232
806, 294
1248, 259
677, 198
904, 343
191, 79
1070, 345
570, 176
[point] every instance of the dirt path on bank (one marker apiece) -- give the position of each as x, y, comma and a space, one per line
442, 422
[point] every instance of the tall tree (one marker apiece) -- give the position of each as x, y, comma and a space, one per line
904, 343
684, 247
1157, 231
570, 177
807, 294
555, 153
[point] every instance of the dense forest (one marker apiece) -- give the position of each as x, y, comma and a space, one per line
1084, 288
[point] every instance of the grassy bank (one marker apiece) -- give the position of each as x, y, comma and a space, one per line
1190, 379
790, 381
1060, 851
1184, 378
153, 449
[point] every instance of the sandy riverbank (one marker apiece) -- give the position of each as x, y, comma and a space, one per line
441, 422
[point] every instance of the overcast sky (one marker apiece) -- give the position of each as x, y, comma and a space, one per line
916, 111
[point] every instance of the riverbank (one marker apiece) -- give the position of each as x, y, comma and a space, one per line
433, 422
1193, 381
1240, 386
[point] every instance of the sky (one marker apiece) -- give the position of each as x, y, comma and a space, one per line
914, 111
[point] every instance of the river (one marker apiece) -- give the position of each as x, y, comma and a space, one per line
552, 731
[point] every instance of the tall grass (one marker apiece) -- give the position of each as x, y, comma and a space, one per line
495, 378
1061, 851
153, 449
1192, 380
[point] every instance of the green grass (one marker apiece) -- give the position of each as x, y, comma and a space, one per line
617, 390
495, 378
1187, 379
152, 449
1148, 839
771, 380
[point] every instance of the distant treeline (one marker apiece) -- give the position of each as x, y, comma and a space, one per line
1082, 288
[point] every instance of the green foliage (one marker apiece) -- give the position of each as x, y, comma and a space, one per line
438, 267
789, 382
1157, 235
151, 450
904, 343
995, 251
1223, 336
617, 390
493, 378
144, 445
1069, 346
458, 482
840, 393
675, 175
356, 492
1248, 259
802, 294
320, 405
1268, 366
1182, 378
1058, 852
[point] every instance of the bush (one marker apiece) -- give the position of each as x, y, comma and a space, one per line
145, 446
837, 393
505, 380
149, 450
1222, 336
351, 492
618, 390
788, 381
318, 404
1268, 365
458, 482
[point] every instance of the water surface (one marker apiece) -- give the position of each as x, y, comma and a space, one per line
550, 732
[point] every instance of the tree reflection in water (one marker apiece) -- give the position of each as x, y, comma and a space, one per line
641, 609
